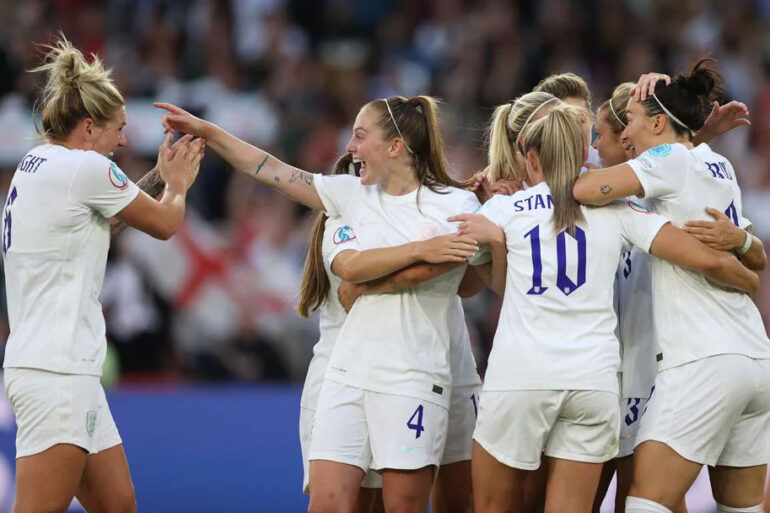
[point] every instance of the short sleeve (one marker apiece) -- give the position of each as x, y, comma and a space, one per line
101, 185
336, 191
639, 226
342, 238
661, 170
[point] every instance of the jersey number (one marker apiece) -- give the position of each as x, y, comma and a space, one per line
8, 221
732, 213
417, 426
633, 410
564, 282
626, 256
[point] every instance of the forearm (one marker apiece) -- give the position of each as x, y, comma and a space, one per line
499, 267
755, 258
372, 264
406, 278
173, 205
153, 185
731, 273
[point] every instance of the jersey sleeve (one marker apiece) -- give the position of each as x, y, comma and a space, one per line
638, 225
342, 238
661, 170
336, 192
101, 185
493, 210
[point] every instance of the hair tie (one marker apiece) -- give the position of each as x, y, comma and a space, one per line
393, 119
616, 114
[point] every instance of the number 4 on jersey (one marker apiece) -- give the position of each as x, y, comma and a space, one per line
417, 426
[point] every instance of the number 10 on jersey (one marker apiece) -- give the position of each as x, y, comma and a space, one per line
563, 282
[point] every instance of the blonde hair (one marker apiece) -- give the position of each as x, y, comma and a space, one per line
566, 85
314, 287
415, 121
616, 107
74, 90
557, 138
504, 129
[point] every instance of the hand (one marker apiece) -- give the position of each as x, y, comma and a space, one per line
173, 147
479, 228
347, 293
506, 187
178, 165
720, 234
645, 86
481, 187
724, 118
179, 119
446, 248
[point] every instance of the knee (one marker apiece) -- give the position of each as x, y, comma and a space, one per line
327, 505
123, 501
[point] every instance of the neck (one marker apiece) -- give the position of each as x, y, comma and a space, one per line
401, 179
72, 142
671, 138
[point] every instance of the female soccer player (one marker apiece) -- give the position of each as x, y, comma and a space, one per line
384, 402
551, 385
56, 232
711, 402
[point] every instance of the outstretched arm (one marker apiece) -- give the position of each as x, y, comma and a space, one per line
248, 159
680, 248
604, 186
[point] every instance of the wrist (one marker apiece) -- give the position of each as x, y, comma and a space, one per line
742, 250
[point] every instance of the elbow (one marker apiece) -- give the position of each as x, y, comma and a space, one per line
582, 193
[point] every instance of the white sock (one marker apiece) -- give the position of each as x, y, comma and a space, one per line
727, 509
639, 505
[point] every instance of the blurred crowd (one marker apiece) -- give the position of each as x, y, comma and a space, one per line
217, 301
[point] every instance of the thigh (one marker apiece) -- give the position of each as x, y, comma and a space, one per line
608, 472
407, 491
586, 429
106, 484
497, 487
534, 488
738, 487
60, 468
452, 490
334, 486
661, 474
571, 486
405, 433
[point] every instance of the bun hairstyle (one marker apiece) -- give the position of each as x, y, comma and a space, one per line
315, 286
507, 122
557, 139
415, 121
615, 107
75, 90
686, 101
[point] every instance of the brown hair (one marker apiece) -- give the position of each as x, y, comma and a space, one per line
557, 138
415, 121
504, 129
566, 85
616, 107
75, 90
314, 287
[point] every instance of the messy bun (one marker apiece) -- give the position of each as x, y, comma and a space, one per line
75, 89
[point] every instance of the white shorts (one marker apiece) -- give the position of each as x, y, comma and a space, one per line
631, 409
52, 408
306, 419
463, 410
713, 411
516, 427
379, 431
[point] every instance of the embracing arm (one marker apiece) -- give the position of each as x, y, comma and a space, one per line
721, 234
680, 248
494, 272
604, 186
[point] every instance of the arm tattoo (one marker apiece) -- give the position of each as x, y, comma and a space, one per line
298, 174
605, 189
153, 185
259, 167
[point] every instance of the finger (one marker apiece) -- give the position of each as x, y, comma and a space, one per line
170, 107
458, 218
699, 224
716, 214
698, 231
464, 239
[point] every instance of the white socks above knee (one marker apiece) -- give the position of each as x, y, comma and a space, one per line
638, 505
727, 509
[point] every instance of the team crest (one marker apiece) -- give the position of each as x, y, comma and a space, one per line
664, 150
90, 422
117, 178
344, 234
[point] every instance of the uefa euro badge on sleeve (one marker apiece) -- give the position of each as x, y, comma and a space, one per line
90, 422
117, 178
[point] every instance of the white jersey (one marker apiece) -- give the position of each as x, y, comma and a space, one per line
557, 323
462, 364
55, 239
338, 237
397, 343
694, 318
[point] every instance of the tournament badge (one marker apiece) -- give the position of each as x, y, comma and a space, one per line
117, 178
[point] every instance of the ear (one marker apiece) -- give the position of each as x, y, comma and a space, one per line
89, 128
395, 147
533, 162
659, 123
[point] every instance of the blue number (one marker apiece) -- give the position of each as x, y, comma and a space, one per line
732, 213
8, 221
633, 409
537, 263
566, 285
475, 406
416, 426
627, 269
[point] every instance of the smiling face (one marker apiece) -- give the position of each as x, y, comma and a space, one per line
608, 143
369, 147
109, 137
643, 132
